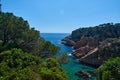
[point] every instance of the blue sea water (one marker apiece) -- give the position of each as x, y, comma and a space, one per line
73, 66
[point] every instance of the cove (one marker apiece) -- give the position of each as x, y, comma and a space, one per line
73, 66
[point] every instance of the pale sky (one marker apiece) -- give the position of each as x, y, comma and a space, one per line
64, 16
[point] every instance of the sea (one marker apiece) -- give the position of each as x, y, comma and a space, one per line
73, 65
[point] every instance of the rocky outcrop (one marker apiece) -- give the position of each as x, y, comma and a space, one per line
100, 54
83, 74
80, 52
67, 41
84, 46
94, 45
92, 52
91, 59
90, 42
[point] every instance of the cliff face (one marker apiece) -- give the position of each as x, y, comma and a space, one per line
84, 46
90, 42
100, 54
67, 41
94, 45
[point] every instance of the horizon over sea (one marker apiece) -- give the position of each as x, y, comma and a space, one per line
73, 65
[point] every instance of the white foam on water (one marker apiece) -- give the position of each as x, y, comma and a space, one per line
69, 54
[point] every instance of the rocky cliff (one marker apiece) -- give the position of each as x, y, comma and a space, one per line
100, 54
84, 46
68, 41
94, 45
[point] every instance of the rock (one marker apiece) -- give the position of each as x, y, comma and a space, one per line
92, 58
81, 51
67, 41
78, 55
99, 55
90, 42
95, 45
84, 46
83, 74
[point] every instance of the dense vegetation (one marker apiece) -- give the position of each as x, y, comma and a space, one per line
100, 32
18, 65
110, 70
63, 58
24, 55
16, 32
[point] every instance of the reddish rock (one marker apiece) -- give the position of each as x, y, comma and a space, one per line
84, 74
67, 41
81, 51
84, 46
86, 42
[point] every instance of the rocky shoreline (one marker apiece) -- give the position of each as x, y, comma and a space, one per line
90, 51
81, 48
94, 45
67, 41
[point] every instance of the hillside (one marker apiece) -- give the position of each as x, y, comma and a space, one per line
100, 32
24, 54
94, 45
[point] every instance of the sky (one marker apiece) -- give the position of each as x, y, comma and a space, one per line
64, 16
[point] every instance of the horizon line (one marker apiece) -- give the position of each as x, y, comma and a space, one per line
57, 32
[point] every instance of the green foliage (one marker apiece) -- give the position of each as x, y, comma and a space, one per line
18, 65
51, 62
63, 58
100, 32
15, 32
110, 48
110, 70
53, 71
112, 40
48, 49
52, 74
20, 50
